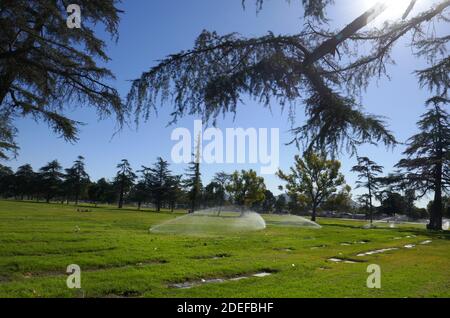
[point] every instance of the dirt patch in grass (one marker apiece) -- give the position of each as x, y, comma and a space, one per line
123, 294
215, 256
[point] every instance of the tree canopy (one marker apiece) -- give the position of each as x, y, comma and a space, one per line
124, 180
246, 188
314, 178
46, 66
427, 162
305, 68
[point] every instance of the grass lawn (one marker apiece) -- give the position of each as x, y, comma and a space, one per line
120, 258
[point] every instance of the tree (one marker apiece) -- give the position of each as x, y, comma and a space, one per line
268, 205
297, 204
427, 161
364, 205
45, 66
368, 171
6, 181
246, 188
25, 180
193, 181
398, 182
341, 201
315, 177
446, 206
193, 184
124, 180
158, 181
213, 194
106, 191
175, 191
139, 193
328, 69
93, 193
222, 179
77, 179
394, 203
280, 204
50, 177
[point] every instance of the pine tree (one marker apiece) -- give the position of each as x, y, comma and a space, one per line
51, 179
25, 179
398, 181
175, 191
269, 202
194, 181
280, 204
124, 180
77, 179
45, 66
101, 191
106, 191
213, 194
367, 178
139, 193
6, 181
158, 179
428, 157
222, 179
323, 66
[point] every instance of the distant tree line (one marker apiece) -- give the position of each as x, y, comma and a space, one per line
313, 184
154, 186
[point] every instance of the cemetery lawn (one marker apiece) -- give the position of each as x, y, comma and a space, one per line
118, 257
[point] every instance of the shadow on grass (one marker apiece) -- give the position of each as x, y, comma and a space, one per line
356, 226
409, 230
99, 207
443, 235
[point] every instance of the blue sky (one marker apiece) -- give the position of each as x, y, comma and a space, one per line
150, 30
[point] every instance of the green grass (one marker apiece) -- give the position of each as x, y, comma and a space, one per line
119, 257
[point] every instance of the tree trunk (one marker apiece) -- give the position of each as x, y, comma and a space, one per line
370, 202
121, 195
436, 209
121, 199
76, 198
314, 212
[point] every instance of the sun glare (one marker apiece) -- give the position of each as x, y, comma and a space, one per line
396, 8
